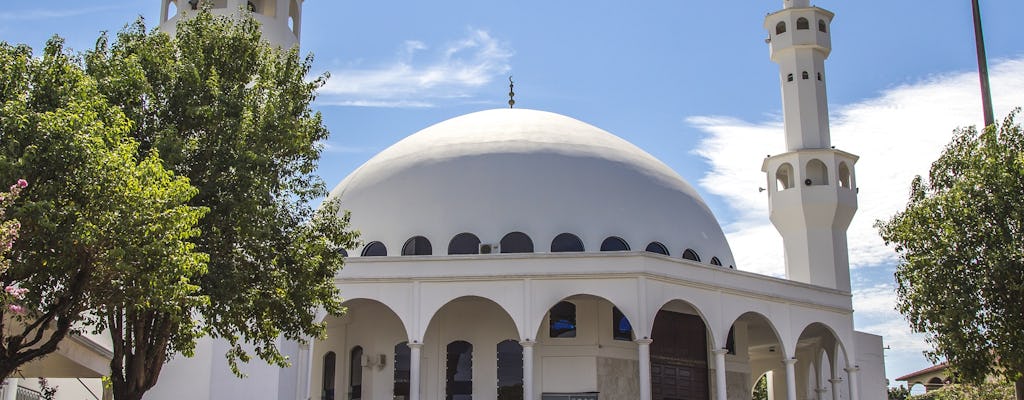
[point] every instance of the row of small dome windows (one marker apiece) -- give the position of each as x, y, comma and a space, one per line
518, 242
801, 24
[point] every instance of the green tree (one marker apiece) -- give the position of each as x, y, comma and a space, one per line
233, 114
899, 393
760, 388
97, 212
961, 271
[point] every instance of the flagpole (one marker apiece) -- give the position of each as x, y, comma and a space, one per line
986, 92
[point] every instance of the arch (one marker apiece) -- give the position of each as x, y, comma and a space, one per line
690, 254
464, 243
822, 27
459, 370
716, 261
614, 243
805, 75
803, 24
377, 307
614, 297
762, 334
355, 373
516, 242
329, 368
510, 370
403, 370
171, 11
784, 176
564, 242
918, 388
417, 246
844, 175
780, 28
295, 17
679, 354
656, 247
375, 249
816, 173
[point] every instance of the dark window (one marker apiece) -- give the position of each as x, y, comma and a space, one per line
250, 6
375, 249
355, 374
516, 242
803, 24
417, 246
464, 243
657, 247
459, 371
789, 78
691, 255
716, 261
821, 25
780, 28
564, 243
614, 243
819, 76
330, 366
562, 320
343, 252
510, 370
621, 329
730, 341
805, 75
402, 370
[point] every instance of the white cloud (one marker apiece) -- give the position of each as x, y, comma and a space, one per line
38, 14
455, 71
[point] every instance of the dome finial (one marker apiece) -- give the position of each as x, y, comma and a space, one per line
511, 93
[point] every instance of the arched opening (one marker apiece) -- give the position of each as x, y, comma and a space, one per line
295, 17
614, 243
329, 369
657, 247
565, 242
562, 320
844, 175
417, 246
716, 261
690, 254
172, 10
918, 389
934, 383
817, 173
802, 24
757, 340
459, 371
817, 342
621, 328
679, 353
784, 176
510, 370
780, 28
369, 324
516, 242
355, 373
403, 370
464, 243
805, 75
375, 249
821, 26
789, 78
819, 76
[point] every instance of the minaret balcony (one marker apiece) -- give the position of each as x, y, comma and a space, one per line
795, 28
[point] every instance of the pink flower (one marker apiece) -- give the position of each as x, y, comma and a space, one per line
22, 183
16, 292
16, 309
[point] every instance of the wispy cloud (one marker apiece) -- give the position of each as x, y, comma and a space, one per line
40, 14
420, 76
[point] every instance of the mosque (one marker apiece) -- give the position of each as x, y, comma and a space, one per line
523, 254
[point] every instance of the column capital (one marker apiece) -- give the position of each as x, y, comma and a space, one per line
835, 380
854, 369
789, 361
720, 351
820, 390
415, 345
644, 341
527, 343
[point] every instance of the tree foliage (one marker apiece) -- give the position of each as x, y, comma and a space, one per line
898, 393
233, 114
958, 391
961, 272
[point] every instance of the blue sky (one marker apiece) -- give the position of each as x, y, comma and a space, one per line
690, 82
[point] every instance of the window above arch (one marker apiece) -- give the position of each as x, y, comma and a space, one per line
780, 28
805, 75
375, 249
657, 247
803, 24
691, 255
565, 242
614, 243
417, 246
516, 242
464, 243
562, 320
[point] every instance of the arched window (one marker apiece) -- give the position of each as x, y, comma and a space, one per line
789, 78
250, 6
621, 329
780, 28
821, 26
804, 75
464, 243
343, 252
516, 242
716, 261
172, 9
459, 371
510, 370
355, 374
691, 255
402, 370
375, 249
844, 175
819, 76
614, 243
330, 366
657, 247
562, 320
817, 173
565, 242
784, 176
802, 24
417, 246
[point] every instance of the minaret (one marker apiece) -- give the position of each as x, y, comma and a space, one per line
280, 20
812, 191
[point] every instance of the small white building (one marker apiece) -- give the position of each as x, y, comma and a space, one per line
522, 254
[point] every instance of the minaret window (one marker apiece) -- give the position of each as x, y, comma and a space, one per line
375, 249
844, 175
780, 28
464, 243
417, 246
805, 75
657, 247
803, 24
566, 242
614, 243
789, 78
784, 176
817, 173
821, 26
516, 242
819, 76
716, 261
691, 255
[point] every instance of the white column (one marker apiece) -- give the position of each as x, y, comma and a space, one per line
820, 393
11, 389
527, 368
304, 363
852, 374
790, 378
720, 386
414, 370
835, 387
644, 350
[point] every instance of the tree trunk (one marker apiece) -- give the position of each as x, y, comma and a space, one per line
1019, 388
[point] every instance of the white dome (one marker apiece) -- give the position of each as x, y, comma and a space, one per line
505, 170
